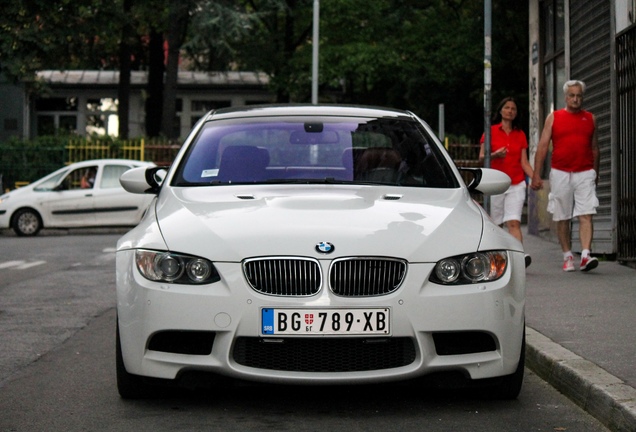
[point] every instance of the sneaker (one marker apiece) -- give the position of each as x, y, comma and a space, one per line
588, 263
568, 264
528, 260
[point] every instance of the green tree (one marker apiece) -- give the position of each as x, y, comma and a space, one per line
125, 65
178, 20
57, 34
216, 33
419, 54
411, 54
280, 30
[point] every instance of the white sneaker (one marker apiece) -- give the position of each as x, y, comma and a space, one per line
568, 264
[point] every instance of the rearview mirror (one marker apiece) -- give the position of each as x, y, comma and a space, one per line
324, 137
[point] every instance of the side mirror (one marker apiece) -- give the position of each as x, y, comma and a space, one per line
155, 177
486, 180
143, 180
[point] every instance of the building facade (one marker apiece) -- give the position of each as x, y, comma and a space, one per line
593, 41
85, 102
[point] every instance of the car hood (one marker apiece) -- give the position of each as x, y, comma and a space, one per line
230, 223
17, 193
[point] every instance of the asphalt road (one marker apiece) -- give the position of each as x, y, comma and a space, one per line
57, 368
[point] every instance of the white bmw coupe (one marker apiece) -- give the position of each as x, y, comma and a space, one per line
309, 244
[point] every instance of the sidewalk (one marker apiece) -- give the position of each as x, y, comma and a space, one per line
581, 332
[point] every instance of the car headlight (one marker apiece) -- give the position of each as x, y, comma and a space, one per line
162, 266
470, 268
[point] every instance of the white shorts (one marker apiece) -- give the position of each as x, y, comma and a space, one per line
509, 205
572, 194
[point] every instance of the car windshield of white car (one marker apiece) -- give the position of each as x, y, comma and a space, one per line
49, 183
307, 150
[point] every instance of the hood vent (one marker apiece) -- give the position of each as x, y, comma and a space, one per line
392, 197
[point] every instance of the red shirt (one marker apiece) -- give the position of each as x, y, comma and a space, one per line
572, 141
516, 142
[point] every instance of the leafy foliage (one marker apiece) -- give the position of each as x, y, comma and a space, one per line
411, 54
57, 34
29, 160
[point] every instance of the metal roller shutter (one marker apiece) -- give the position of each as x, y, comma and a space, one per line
590, 62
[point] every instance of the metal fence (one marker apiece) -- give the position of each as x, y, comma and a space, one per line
464, 154
626, 89
22, 164
159, 152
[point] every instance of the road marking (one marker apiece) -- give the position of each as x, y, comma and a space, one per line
25, 265
8, 264
20, 265
30, 264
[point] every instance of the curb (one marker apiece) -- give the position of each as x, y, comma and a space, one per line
604, 396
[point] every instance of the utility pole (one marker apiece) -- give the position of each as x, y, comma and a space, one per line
487, 86
314, 68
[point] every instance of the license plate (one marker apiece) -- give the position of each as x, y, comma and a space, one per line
313, 322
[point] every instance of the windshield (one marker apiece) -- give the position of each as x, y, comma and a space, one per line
386, 151
49, 183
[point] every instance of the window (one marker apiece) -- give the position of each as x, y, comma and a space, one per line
73, 181
198, 108
315, 149
46, 124
50, 183
111, 174
56, 114
101, 117
56, 104
204, 106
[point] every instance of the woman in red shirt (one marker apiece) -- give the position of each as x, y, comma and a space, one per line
509, 154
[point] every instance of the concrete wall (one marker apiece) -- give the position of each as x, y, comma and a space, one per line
13, 110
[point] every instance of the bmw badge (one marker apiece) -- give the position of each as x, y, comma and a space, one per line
325, 247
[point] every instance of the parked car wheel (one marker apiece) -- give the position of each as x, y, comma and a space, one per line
129, 386
27, 222
509, 386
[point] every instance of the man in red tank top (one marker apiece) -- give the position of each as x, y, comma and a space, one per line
574, 172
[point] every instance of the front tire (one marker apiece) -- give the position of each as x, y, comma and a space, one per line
509, 386
26, 222
129, 386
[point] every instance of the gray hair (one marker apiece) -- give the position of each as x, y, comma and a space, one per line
573, 83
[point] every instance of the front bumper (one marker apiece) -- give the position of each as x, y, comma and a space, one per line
473, 329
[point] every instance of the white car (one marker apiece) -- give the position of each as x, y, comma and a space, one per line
302, 244
82, 194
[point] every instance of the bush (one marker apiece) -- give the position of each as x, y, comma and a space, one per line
29, 160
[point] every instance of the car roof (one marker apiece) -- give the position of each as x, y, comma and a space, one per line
306, 110
111, 161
